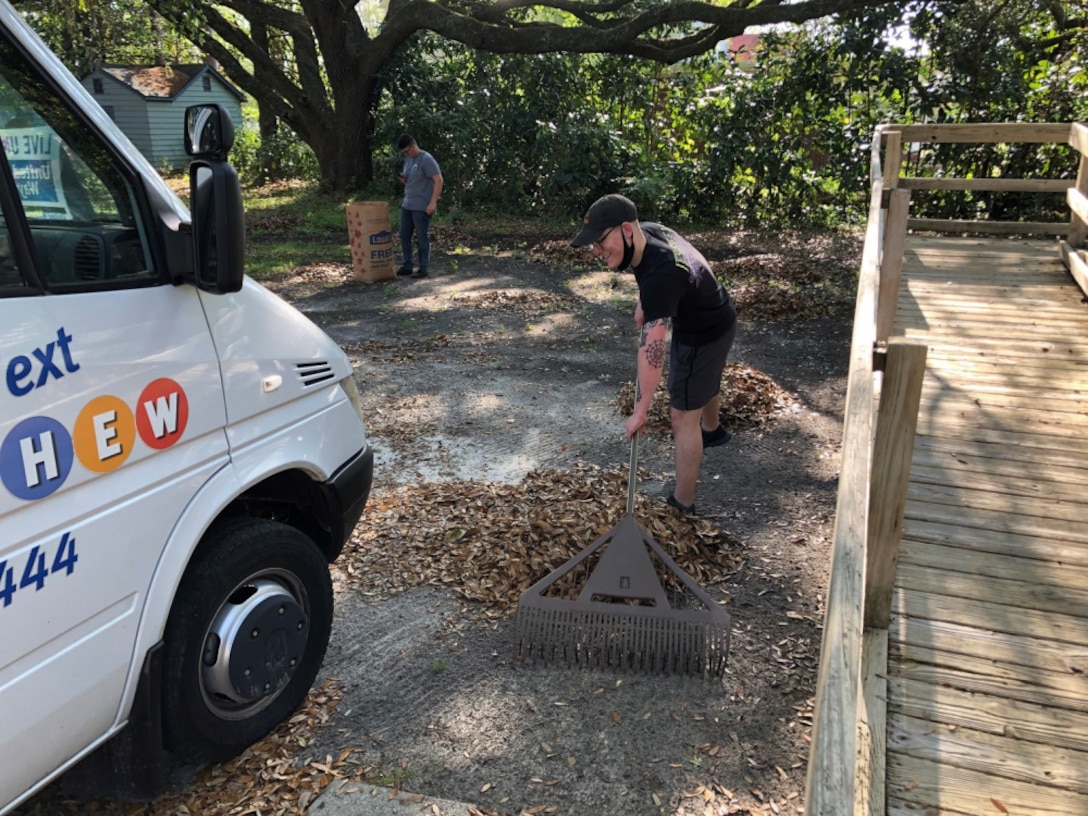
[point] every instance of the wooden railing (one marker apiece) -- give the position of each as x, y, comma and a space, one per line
846, 760
898, 139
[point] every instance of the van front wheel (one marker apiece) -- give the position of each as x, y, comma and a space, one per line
245, 638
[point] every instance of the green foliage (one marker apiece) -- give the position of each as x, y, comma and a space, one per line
114, 31
282, 156
1004, 62
511, 132
706, 140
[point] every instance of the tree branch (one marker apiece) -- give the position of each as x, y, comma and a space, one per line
603, 28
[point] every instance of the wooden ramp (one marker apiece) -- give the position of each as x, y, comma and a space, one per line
987, 685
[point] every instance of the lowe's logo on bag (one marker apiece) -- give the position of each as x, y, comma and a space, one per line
383, 237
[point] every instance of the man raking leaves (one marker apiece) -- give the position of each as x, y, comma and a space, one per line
675, 283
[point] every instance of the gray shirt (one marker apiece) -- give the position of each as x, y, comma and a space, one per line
419, 176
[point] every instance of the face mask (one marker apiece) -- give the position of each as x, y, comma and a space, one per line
628, 252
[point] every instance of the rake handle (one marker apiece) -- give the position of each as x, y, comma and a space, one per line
632, 466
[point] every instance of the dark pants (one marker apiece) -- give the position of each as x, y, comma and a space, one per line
419, 222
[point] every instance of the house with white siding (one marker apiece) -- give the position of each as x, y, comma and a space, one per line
148, 103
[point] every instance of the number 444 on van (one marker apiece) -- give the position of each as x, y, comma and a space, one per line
34, 570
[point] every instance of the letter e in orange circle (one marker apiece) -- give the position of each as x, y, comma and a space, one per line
162, 413
104, 434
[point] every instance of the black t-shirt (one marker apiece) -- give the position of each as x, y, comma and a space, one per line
675, 281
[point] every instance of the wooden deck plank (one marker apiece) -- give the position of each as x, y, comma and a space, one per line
1026, 334
987, 675
948, 355
1044, 518
998, 522
997, 269
933, 789
988, 282
978, 247
1034, 379
1027, 591
1074, 350
1005, 302
993, 615
1029, 438
942, 357
978, 751
1062, 513
1058, 664
1001, 435
987, 398
1058, 579
1006, 477
1028, 722
999, 321
972, 539
988, 646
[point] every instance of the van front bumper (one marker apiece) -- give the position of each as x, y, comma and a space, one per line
346, 494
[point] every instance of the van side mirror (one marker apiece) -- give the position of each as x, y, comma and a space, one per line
209, 131
215, 201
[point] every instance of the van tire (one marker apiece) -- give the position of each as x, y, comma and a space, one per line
259, 593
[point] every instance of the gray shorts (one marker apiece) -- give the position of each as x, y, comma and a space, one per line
695, 372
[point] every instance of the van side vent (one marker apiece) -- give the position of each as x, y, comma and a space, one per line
311, 374
87, 259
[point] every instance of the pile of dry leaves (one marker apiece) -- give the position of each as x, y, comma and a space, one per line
749, 398
490, 541
776, 286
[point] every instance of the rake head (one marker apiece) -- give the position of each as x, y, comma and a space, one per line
622, 617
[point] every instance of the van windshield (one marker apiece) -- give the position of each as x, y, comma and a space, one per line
77, 200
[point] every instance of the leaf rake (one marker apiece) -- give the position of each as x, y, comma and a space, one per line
622, 618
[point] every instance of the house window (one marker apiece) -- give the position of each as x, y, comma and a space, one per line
207, 82
97, 85
109, 111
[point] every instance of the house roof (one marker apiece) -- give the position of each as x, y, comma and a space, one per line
743, 47
161, 81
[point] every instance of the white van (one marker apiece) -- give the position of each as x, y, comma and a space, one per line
182, 454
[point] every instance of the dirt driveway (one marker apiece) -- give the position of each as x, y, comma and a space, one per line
496, 395
506, 364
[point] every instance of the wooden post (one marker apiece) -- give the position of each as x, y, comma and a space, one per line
893, 446
893, 158
891, 262
871, 784
1078, 226
832, 761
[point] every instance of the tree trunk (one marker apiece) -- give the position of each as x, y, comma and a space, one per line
268, 166
343, 151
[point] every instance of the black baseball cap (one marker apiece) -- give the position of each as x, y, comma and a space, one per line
607, 211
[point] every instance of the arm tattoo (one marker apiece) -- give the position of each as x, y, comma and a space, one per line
655, 349
646, 327
655, 353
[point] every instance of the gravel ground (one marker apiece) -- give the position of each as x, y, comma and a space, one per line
507, 363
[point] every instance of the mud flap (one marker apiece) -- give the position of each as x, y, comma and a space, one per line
133, 766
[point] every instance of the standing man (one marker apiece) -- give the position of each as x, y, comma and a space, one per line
675, 283
422, 180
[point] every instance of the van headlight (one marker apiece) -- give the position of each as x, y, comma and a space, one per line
352, 390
